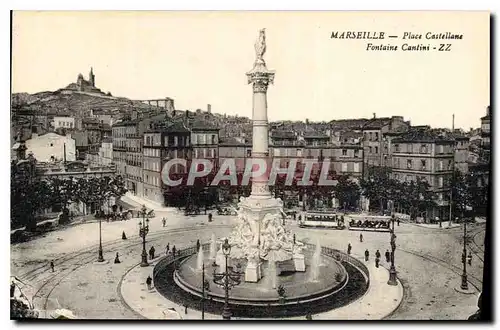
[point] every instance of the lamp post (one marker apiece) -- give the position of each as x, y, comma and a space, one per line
465, 284
392, 271
100, 258
143, 231
228, 279
205, 287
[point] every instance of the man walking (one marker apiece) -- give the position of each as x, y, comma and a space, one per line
387, 256
164, 221
198, 244
349, 248
168, 249
377, 254
469, 259
398, 221
361, 238
52, 266
367, 255
152, 253
117, 259
149, 281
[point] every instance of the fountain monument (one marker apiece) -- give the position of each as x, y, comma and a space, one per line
260, 234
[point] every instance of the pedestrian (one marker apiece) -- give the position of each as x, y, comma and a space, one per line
377, 254
123, 235
164, 221
377, 260
12, 289
52, 266
210, 217
349, 248
174, 250
117, 259
149, 281
398, 221
361, 238
198, 245
167, 249
309, 317
367, 255
121, 209
387, 256
469, 259
185, 309
152, 252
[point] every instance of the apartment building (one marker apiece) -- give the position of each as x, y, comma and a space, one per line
424, 154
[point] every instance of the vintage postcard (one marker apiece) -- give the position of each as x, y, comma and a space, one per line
250, 165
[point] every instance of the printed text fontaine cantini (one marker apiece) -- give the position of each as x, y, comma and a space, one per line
413, 41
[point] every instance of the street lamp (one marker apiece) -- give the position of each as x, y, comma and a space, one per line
205, 287
392, 270
465, 284
100, 258
143, 231
228, 280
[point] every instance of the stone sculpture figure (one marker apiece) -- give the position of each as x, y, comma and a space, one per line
260, 45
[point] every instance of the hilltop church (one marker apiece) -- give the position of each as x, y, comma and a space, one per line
83, 85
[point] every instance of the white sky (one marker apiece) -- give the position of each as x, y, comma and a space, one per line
199, 58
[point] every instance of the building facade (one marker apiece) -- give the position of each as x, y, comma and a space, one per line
51, 147
423, 154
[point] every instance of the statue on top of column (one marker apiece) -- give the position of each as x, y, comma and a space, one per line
260, 45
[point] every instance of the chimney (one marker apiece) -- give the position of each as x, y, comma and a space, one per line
374, 115
209, 108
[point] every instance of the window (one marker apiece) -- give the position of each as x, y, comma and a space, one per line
440, 182
195, 138
356, 153
376, 136
344, 152
396, 147
344, 167
441, 149
410, 148
249, 152
440, 196
370, 149
214, 139
356, 167
423, 163
276, 152
409, 163
440, 165
299, 152
376, 150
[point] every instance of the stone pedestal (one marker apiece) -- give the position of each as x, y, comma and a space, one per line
300, 265
253, 272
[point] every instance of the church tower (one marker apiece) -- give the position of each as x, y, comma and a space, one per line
92, 77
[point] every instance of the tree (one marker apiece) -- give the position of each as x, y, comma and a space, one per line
347, 192
28, 194
378, 187
97, 191
462, 192
62, 191
416, 197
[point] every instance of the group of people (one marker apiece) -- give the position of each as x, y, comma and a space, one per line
388, 254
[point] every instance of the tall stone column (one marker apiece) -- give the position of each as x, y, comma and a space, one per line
260, 78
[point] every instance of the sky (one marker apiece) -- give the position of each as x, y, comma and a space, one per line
200, 58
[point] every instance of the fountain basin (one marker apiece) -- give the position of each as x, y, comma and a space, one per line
298, 286
257, 300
